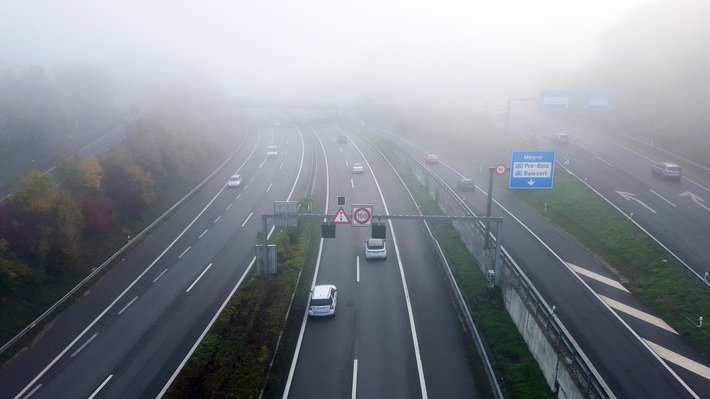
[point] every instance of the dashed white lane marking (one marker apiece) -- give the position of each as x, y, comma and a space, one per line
598, 277
638, 314
682, 361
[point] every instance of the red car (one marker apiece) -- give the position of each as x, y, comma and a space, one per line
431, 159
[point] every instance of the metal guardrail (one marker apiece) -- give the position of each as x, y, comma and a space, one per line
473, 235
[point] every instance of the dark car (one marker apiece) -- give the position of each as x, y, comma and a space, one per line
465, 184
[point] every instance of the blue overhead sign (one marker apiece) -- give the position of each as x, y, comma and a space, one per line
532, 169
599, 101
556, 100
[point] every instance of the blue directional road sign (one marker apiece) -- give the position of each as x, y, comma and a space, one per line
532, 169
599, 101
556, 100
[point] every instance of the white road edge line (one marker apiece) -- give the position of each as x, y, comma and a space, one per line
199, 277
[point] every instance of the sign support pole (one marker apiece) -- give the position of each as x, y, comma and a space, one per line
491, 171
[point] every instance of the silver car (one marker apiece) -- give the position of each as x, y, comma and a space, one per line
668, 170
234, 181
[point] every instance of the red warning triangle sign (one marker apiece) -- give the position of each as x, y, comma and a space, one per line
340, 217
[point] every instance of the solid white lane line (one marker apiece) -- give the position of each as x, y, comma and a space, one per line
160, 275
247, 219
184, 252
661, 197
203, 233
128, 304
84, 345
638, 314
93, 395
199, 277
354, 391
598, 277
218, 217
682, 361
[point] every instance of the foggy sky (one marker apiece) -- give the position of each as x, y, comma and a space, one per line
446, 48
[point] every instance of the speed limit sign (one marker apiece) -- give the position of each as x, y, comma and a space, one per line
362, 215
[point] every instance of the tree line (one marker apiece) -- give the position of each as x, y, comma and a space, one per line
49, 225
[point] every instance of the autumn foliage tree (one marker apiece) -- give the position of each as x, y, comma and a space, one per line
43, 224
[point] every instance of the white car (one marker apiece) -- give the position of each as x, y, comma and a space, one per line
358, 168
234, 181
272, 151
375, 248
324, 299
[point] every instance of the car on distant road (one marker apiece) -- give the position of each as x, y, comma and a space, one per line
358, 168
324, 299
272, 151
234, 181
561, 138
375, 248
667, 170
431, 159
465, 184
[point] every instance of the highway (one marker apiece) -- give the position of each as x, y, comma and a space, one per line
128, 335
636, 353
395, 333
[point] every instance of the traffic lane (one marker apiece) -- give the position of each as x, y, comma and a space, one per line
441, 334
386, 357
439, 331
324, 366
